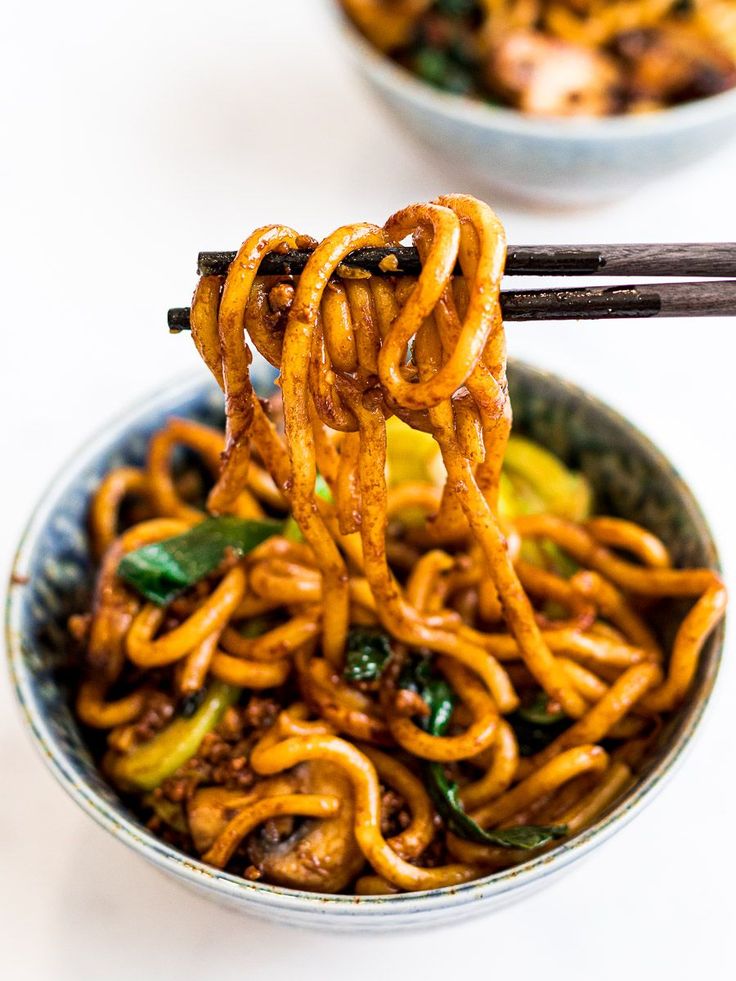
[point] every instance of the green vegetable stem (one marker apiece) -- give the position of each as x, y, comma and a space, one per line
366, 655
150, 764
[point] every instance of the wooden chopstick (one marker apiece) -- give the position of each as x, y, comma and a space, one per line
709, 259
712, 298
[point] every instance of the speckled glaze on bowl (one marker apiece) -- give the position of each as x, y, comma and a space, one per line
563, 162
51, 578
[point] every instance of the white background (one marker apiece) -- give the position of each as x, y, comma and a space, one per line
136, 134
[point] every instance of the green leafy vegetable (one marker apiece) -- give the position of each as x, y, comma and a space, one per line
258, 626
533, 738
161, 571
438, 68
456, 8
441, 701
150, 764
417, 675
445, 792
367, 654
538, 711
321, 488
535, 727
534, 480
292, 531
544, 483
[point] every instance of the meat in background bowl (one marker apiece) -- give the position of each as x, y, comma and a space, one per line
547, 159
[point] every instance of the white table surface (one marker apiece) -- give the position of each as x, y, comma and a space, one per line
136, 134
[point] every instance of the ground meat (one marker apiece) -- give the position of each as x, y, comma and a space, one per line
260, 713
231, 725
439, 31
394, 814
278, 829
218, 763
306, 243
435, 854
234, 773
222, 760
170, 835
280, 297
182, 785
158, 711
408, 703
190, 486
183, 606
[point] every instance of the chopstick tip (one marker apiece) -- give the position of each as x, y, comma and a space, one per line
178, 319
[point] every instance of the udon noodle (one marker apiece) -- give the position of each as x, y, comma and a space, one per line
436, 662
561, 57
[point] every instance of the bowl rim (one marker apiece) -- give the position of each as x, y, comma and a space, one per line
281, 899
481, 115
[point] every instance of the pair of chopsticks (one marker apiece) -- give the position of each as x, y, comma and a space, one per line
707, 296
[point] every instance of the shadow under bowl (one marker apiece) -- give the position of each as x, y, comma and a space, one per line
562, 161
52, 575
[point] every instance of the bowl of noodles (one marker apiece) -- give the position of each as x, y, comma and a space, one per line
355, 652
568, 103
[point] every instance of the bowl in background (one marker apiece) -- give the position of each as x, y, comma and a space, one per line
552, 161
52, 574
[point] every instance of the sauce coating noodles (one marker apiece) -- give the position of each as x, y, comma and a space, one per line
422, 616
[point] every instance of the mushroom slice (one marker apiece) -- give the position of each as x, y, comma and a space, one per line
320, 856
212, 808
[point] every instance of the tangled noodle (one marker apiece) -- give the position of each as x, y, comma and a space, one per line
458, 586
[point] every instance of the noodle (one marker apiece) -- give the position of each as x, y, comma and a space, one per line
396, 601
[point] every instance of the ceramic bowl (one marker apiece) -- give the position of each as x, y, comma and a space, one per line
555, 161
51, 579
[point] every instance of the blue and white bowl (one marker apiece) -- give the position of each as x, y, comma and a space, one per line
51, 578
549, 161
